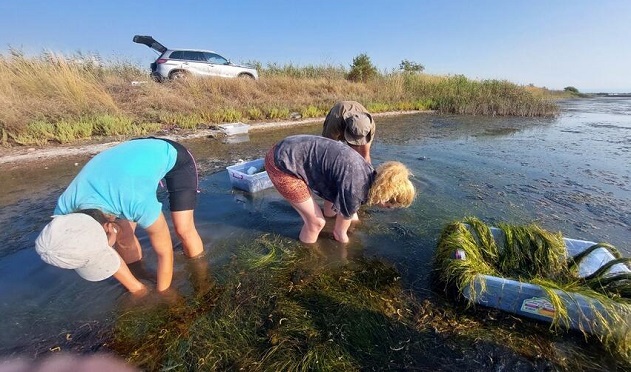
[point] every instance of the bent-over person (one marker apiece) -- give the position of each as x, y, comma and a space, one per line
350, 122
94, 222
304, 164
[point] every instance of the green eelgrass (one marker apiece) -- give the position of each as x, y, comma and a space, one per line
281, 306
531, 254
274, 308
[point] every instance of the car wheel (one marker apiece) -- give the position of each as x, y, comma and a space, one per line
178, 75
246, 76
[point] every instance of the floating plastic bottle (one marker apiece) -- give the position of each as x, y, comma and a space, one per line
460, 254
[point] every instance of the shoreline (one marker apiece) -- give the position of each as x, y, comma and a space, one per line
13, 155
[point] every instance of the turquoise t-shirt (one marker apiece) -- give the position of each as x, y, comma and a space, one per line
122, 181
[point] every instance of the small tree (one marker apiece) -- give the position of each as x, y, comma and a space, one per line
362, 69
571, 90
409, 66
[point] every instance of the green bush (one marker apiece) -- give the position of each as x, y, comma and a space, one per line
571, 90
409, 66
362, 69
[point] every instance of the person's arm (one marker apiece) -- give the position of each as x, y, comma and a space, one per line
129, 281
340, 231
160, 238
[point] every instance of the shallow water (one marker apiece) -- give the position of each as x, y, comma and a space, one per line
568, 174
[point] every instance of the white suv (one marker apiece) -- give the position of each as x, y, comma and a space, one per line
179, 63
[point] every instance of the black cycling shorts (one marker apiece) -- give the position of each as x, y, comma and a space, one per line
182, 180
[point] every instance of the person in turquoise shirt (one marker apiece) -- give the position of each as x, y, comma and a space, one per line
94, 222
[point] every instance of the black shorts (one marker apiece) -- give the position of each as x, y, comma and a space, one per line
182, 180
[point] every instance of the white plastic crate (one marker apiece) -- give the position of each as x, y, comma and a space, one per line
234, 128
257, 181
237, 138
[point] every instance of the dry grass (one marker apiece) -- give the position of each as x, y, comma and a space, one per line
48, 88
53, 91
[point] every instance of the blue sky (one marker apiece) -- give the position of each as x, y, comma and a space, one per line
549, 43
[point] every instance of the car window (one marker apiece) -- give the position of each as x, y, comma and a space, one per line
197, 56
178, 54
215, 59
188, 55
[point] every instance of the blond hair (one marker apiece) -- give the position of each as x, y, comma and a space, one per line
392, 185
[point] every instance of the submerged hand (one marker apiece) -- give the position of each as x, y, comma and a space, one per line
142, 291
170, 296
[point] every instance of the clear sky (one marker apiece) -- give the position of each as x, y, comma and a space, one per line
548, 43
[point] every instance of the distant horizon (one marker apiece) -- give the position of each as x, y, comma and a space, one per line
594, 91
582, 44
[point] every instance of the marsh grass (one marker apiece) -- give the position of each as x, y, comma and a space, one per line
52, 89
277, 306
531, 254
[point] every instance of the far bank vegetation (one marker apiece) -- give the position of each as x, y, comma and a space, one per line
54, 99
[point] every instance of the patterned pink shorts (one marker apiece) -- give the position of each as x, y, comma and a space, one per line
290, 187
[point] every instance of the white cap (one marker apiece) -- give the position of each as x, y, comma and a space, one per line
77, 241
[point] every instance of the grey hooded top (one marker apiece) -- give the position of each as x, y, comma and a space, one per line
331, 169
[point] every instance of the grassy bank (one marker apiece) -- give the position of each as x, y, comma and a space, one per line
49, 99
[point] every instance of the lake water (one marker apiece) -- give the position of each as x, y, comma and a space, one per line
570, 174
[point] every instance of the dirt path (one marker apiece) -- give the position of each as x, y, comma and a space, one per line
20, 155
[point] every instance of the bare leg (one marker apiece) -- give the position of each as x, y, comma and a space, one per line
329, 212
313, 220
127, 244
201, 278
194, 249
185, 229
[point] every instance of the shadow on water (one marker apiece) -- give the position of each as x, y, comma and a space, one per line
566, 174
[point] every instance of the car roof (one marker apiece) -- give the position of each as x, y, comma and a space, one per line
189, 50
153, 44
